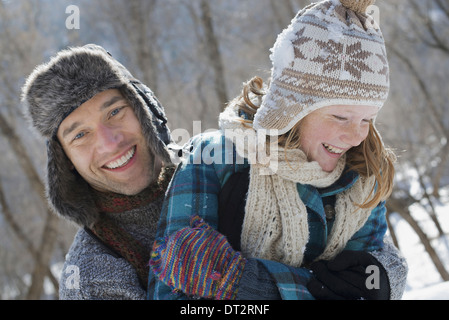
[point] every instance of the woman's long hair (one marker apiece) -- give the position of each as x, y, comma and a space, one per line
371, 157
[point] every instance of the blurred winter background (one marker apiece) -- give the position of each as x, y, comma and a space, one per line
195, 54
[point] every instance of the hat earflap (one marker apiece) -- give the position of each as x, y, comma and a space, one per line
67, 191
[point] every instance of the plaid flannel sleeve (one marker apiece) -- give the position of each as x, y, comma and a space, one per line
194, 190
291, 282
370, 236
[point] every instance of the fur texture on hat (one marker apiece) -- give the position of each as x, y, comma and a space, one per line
57, 88
332, 53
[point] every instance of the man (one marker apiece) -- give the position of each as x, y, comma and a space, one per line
108, 167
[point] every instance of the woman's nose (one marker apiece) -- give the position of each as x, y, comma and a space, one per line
354, 135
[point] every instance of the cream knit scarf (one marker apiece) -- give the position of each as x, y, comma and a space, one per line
275, 226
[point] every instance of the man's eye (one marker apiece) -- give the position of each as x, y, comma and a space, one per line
79, 136
115, 112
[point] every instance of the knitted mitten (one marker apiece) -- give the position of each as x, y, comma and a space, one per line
198, 261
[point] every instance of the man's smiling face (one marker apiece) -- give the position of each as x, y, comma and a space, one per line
103, 140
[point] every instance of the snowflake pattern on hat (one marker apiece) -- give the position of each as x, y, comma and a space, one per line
328, 55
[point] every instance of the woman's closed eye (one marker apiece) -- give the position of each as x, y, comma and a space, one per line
340, 118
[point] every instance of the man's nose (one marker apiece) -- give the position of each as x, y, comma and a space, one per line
108, 138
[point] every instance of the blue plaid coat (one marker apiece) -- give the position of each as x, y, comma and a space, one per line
194, 190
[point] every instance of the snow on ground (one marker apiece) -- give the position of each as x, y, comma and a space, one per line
438, 291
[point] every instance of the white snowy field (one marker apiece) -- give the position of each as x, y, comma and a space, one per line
438, 291
424, 281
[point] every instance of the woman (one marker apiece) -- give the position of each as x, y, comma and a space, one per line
317, 202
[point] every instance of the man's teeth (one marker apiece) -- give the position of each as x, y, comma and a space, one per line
122, 161
333, 149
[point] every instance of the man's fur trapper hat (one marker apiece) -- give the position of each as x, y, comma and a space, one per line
57, 88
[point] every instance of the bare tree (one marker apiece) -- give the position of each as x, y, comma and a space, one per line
213, 51
136, 29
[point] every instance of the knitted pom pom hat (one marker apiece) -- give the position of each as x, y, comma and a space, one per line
57, 88
332, 53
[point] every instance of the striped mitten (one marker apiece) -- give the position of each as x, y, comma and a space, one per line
198, 261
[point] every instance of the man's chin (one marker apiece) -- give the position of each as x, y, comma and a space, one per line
127, 189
